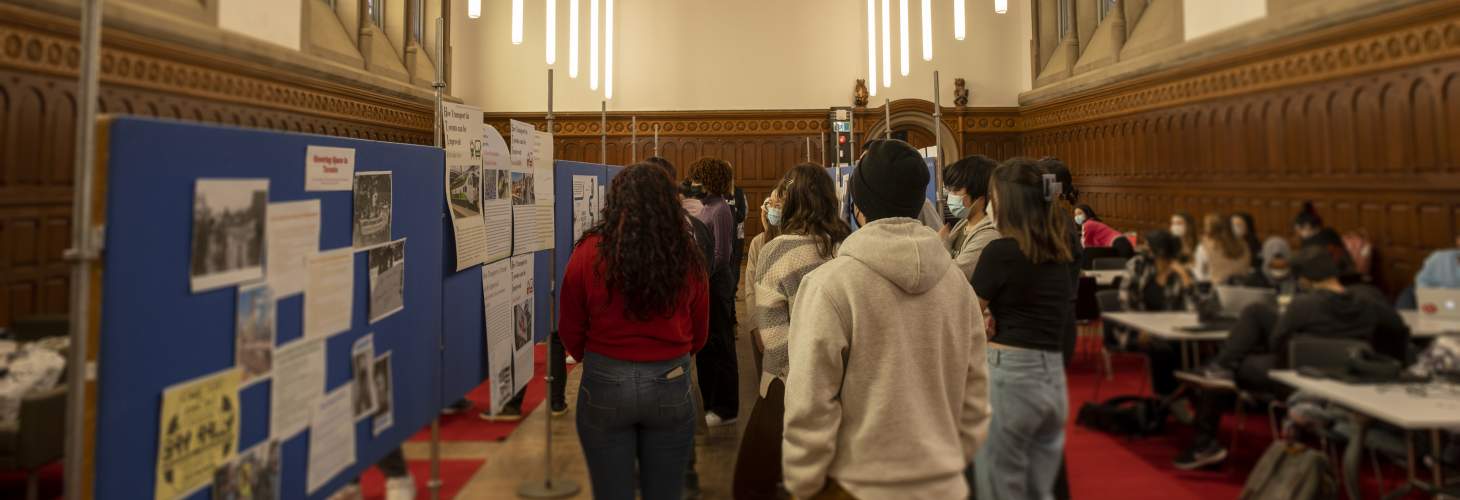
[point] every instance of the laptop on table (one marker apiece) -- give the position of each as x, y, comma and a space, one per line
1233, 300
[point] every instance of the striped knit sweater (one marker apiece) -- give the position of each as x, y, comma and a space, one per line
784, 261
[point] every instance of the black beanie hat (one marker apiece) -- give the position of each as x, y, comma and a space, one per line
889, 181
1315, 263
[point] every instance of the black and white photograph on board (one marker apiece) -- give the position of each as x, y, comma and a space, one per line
465, 190
522, 323
254, 332
372, 209
383, 398
251, 475
360, 365
387, 279
228, 232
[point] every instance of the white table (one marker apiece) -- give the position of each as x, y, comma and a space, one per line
1412, 407
1425, 327
1104, 278
1167, 325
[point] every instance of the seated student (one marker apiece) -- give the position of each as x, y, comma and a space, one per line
1328, 309
1156, 280
1183, 226
1220, 256
967, 182
1312, 233
1245, 229
1441, 269
1093, 232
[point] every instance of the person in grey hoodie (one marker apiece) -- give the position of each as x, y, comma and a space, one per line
886, 389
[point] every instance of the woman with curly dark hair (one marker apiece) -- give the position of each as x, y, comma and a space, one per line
634, 307
719, 375
811, 229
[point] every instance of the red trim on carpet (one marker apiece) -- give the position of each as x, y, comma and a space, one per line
467, 426
454, 476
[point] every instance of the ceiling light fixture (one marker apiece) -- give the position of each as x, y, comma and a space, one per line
927, 30
872, 46
593, 45
886, 43
516, 22
474, 9
960, 28
573, 38
903, 64
1001, 6
552, 32
608, 51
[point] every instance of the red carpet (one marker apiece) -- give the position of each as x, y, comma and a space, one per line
1103, 466
454, 475
467, 426
52, 481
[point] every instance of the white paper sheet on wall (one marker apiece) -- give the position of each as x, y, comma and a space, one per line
497, 306
523, 318
465, 182
496, 194
525, 213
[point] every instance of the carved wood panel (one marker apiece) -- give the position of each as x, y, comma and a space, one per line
1374, 152
38, 61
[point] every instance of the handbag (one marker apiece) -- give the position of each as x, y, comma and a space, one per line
1289, 471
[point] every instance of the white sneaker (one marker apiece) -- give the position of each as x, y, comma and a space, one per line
400, 488
572, 361
713, 420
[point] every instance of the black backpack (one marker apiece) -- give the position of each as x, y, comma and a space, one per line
1133, 416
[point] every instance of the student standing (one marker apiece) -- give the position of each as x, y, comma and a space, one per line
634, 307
886, 396
811, 230
770, 220
719, 376
1024, 279
967, 182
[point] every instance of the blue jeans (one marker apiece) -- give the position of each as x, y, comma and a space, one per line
1026, 440
632, 414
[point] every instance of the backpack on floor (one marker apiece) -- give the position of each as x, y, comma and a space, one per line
1289, 471
1133, 416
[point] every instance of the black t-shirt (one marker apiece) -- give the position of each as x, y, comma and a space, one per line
1029, 302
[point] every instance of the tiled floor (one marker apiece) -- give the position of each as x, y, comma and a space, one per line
521, 457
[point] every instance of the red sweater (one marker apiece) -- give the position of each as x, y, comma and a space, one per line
592, 317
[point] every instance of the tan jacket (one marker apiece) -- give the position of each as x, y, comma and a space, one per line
966, 243
887, 388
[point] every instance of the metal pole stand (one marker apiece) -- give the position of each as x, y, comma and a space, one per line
547, 487
434, 483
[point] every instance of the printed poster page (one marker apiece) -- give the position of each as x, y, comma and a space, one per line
525, 215
387, 279
543, 176
298, 385
497, 306
331, 437
496, 195
331, 293
293, 236
465, 182
328, 168
197, 431
585, 204
523, 315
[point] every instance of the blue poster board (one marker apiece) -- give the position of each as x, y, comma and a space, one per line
156, 333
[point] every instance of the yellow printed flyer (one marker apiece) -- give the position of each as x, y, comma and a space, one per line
197, 432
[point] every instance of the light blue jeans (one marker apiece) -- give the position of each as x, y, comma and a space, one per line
1026, 440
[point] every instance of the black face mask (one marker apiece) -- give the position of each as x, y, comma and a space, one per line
691, 190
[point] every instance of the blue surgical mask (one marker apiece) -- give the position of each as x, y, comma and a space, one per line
1080, 220
956, 207
773, 216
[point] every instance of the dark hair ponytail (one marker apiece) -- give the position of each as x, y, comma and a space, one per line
1035, 218
1308, 216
